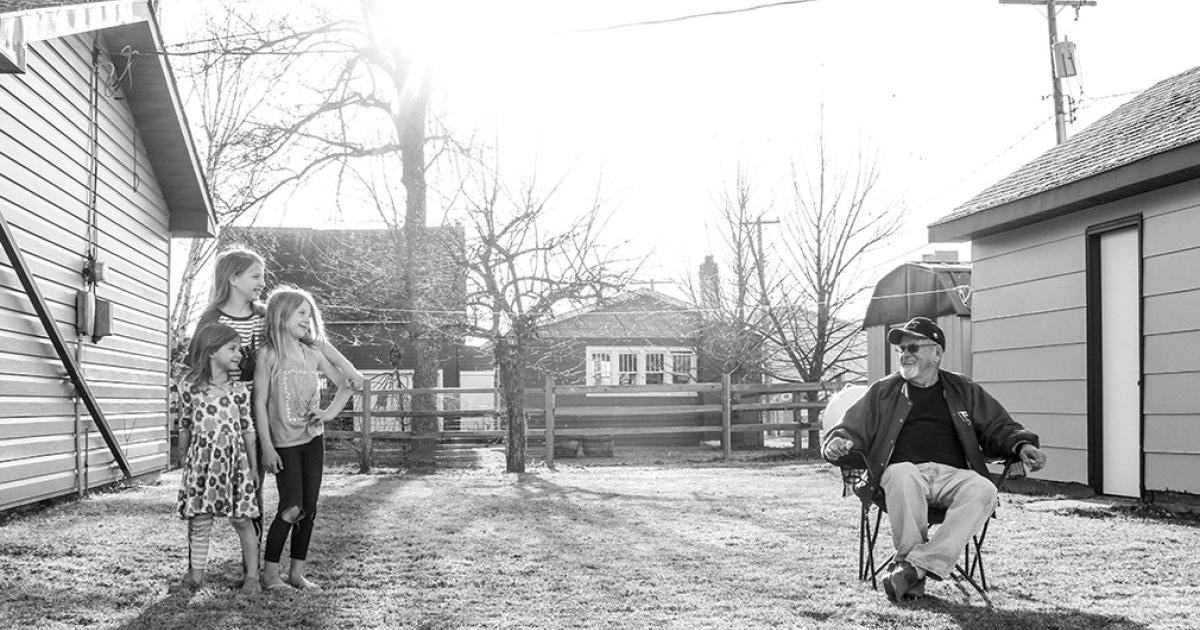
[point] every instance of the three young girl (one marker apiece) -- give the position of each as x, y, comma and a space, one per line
239, 279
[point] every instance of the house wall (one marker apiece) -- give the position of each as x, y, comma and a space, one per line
44, 123
1030, 327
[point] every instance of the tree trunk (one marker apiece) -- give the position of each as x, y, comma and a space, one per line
512, 352
409, 122
509, 363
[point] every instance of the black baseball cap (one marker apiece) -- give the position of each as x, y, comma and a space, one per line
922, 327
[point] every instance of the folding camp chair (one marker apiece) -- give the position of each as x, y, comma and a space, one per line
856, 479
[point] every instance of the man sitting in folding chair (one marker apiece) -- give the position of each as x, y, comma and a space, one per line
926, 432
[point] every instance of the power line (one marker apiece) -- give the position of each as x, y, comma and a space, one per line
681, 18
960, 288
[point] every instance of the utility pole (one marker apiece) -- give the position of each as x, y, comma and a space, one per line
1060, 117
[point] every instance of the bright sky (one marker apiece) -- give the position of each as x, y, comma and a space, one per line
950, 94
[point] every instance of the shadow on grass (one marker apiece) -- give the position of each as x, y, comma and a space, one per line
975, 616
340, 537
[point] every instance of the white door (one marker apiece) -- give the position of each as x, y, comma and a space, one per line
1120, 332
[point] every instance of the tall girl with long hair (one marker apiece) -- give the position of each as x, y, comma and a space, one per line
291, 421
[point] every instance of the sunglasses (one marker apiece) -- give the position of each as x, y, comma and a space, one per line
912, 348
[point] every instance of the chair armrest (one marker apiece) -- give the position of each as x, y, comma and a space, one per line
856, 459
1014, 468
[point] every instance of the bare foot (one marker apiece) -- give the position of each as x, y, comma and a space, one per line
302, 583
192, 581
250, 585
275, 584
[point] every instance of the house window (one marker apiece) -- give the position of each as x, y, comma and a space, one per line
639, 365
600, 369
655, 372
627, 370
681, 367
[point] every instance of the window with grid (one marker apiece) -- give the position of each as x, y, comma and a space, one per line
655, 368
627, 368
601, 369
681, 367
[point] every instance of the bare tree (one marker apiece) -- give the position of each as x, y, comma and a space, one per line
809, 280
353, 95
733, 312
226, 95
521, 269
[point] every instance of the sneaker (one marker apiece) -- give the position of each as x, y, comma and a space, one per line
902, 579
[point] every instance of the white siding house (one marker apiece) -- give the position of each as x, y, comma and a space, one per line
96, 164
1086, 295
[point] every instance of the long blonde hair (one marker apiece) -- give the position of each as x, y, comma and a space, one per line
230, 263
282, 302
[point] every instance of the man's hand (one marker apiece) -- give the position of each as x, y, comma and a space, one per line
1033, 457
837, 447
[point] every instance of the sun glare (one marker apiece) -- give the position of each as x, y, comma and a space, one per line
456, 35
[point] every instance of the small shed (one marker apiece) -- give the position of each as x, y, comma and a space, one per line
97, 173
1086, 295
938, 290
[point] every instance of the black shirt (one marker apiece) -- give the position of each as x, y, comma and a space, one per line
928, 434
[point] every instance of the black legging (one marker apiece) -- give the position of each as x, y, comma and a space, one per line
299, 486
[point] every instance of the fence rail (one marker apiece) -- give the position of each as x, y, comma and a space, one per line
364, 436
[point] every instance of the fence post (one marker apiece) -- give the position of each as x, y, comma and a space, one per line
726, 416
548, 407
364, 453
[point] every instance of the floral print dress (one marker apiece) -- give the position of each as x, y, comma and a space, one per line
216, 468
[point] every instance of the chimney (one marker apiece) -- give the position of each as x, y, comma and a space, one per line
710, 284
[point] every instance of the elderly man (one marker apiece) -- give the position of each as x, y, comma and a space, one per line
925, 433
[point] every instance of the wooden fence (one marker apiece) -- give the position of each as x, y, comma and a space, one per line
731, 396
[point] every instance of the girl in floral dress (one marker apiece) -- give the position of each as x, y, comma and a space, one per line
217, 435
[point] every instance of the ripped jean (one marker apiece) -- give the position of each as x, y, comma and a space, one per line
299, 486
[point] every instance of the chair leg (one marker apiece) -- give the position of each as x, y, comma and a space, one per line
867, 535
864, 525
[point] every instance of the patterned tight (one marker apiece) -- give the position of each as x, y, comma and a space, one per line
199, 535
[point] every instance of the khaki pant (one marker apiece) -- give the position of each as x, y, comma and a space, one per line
968, 498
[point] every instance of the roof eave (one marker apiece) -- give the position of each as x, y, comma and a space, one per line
1157, 171
152, 94
18, 29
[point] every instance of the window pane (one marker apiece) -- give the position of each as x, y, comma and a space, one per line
681, 368
627, 366
601, 368
654, 368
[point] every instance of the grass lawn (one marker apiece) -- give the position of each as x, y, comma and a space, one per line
657, 540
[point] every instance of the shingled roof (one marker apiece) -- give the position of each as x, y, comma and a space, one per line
1163, 118
11, 6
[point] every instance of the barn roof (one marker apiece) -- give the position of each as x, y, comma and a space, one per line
928, 289
1147, 143
151, 92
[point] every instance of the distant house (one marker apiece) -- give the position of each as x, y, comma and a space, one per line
97, 173
936, 289
640, 337
1086, 296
